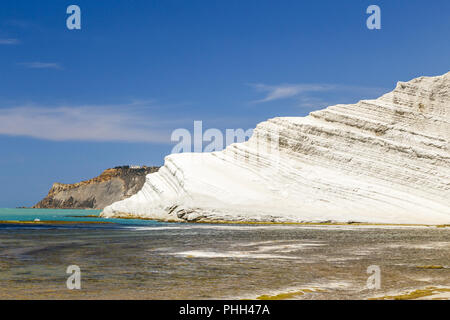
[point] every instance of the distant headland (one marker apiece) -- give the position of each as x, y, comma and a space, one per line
111, 185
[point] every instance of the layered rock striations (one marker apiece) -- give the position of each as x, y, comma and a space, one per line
112, 185
385, 160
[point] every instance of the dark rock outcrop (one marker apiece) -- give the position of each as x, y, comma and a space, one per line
112, 185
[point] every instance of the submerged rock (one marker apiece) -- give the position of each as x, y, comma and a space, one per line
385, 160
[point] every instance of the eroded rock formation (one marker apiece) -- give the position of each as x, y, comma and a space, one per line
385, 160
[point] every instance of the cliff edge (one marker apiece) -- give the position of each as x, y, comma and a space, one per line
112, 185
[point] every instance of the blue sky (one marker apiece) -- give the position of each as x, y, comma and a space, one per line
75, 102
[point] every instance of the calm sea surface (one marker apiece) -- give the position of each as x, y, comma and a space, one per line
142, 259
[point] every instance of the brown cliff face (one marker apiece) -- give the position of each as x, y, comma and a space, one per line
112, 185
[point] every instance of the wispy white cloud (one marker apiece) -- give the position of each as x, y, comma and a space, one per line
10, 41
41, 65
307, 94
128, 122
284, 91
313, 102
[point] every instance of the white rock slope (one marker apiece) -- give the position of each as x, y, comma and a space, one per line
378, 161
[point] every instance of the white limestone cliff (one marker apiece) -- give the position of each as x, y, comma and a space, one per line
378, 161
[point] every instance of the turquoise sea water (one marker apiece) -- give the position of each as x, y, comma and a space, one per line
66, 215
